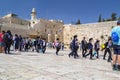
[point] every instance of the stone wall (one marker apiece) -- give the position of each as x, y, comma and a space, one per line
94, 30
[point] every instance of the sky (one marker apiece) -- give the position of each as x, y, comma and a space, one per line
69, 11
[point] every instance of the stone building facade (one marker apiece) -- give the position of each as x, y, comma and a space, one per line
46, 29
13, 18
49, 30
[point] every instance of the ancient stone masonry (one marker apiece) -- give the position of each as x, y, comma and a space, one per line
94, 30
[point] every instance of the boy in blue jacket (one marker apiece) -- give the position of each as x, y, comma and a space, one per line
90, 48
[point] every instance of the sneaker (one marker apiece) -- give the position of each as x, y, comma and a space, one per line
109, 61
91, 59
118, 67
115, 67
104, 59
57, 54
69, 55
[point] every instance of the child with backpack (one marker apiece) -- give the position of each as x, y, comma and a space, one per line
90, 48
57, 45
96, 48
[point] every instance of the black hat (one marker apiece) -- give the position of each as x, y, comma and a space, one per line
118, 22
57, 39
90, 39
75, 36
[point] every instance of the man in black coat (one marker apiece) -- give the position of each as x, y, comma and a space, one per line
74, 47
84, 46
7, 38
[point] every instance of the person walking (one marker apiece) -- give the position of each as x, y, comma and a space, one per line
57, 45
26, 44
108, 46
17, 43
20, 43
40, 45
74, 47
84, 46
7, 38
71, 48
97, 48
44, 46
115, 35
77, 47
90, 48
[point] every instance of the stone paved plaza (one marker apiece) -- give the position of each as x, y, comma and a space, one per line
37, 66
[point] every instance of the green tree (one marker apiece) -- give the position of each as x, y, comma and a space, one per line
103, 20
113, 16
78, 22
108, 20
100, 18
119, 18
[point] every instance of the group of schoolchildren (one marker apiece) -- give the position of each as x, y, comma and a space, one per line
88, 48
92, 49
18, 43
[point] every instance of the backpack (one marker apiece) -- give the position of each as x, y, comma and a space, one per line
87, 46
7, 38
71, 45
115, 37
58, 45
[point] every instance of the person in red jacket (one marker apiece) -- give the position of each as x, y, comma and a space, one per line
2, 45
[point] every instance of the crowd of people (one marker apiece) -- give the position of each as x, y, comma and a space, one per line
18, 43
88, 48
